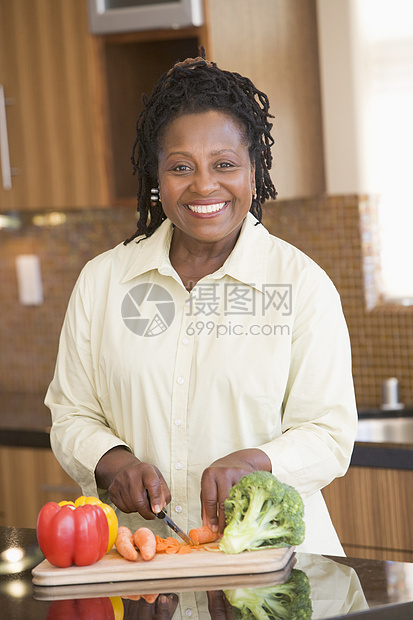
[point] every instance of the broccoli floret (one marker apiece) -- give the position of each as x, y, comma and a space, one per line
261, 512
290, 600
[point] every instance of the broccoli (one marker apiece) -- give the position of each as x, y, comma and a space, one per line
290, 600
262, 512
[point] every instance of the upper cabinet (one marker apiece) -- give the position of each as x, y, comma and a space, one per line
274, 42
74, 97
48, 71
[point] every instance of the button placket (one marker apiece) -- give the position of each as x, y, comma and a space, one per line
179, 407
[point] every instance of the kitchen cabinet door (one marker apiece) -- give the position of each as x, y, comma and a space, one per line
274, 42
47, 69
371, 509
30, 477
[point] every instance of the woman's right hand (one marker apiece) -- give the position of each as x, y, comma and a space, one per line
134, 486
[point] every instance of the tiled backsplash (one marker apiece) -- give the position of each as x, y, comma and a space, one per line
334, 231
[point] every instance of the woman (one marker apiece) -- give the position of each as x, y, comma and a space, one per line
203, 348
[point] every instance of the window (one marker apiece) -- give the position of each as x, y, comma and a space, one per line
386, 35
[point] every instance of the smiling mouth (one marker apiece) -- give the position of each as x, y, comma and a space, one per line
214, 208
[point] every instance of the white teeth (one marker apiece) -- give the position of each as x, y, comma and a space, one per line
207, 208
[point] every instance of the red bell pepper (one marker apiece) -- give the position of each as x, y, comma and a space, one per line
69, 535
82, 609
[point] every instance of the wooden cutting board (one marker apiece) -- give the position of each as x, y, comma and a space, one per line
160, 586
114, 568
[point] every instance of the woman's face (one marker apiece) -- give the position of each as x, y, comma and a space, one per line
206, 178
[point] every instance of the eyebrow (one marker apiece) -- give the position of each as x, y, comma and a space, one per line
213, 153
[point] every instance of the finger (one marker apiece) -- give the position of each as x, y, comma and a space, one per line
218, 606
157, 490
145, 610
166, 605
209, 499
223, 494
165, 495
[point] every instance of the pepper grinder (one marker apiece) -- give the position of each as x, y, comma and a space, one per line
390, 395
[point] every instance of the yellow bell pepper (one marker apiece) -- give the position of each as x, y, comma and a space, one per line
108, 510
118, 609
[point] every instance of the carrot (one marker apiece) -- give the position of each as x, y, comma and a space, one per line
185, 549
203, 534
145, 541
124, 544
170, 546
149, 598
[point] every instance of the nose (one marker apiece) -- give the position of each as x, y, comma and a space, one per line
204, 181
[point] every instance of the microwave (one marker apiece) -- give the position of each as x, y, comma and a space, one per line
110, 16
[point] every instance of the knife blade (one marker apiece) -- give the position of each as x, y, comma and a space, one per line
171, 523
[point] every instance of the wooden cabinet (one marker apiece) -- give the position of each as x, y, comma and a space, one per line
274, 42
372, 509
48, 68
30, 477
74, 97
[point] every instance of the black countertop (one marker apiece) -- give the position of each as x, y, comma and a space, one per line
340, 587
24, 420
384, 439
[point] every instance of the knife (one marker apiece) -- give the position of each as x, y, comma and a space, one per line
170, 523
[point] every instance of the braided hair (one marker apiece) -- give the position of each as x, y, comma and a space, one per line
197, 85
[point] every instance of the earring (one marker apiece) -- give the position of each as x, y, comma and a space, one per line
155, 195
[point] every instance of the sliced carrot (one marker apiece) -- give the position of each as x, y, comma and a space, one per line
170, 545
149, 598
173, 547
145, 541
185, 549
203, 534
161, 544
124, 544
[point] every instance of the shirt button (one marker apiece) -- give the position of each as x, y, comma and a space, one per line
187, 302
188, 612
178, 421
185, 340
178, 465
178, 508
180, 380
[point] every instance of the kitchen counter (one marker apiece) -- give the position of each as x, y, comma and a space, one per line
339, 587
25, 420
384, 442
383, 439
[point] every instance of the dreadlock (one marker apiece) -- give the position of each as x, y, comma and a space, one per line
197, 85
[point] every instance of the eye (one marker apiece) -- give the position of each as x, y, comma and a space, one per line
225, 164
181, 168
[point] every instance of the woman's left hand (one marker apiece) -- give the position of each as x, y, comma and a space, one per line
220, 477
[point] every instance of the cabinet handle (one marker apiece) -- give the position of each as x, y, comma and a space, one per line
4, 143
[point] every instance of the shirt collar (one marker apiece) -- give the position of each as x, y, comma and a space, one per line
246, 263
248, 260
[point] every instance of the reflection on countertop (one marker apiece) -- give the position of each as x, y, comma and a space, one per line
338, 586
